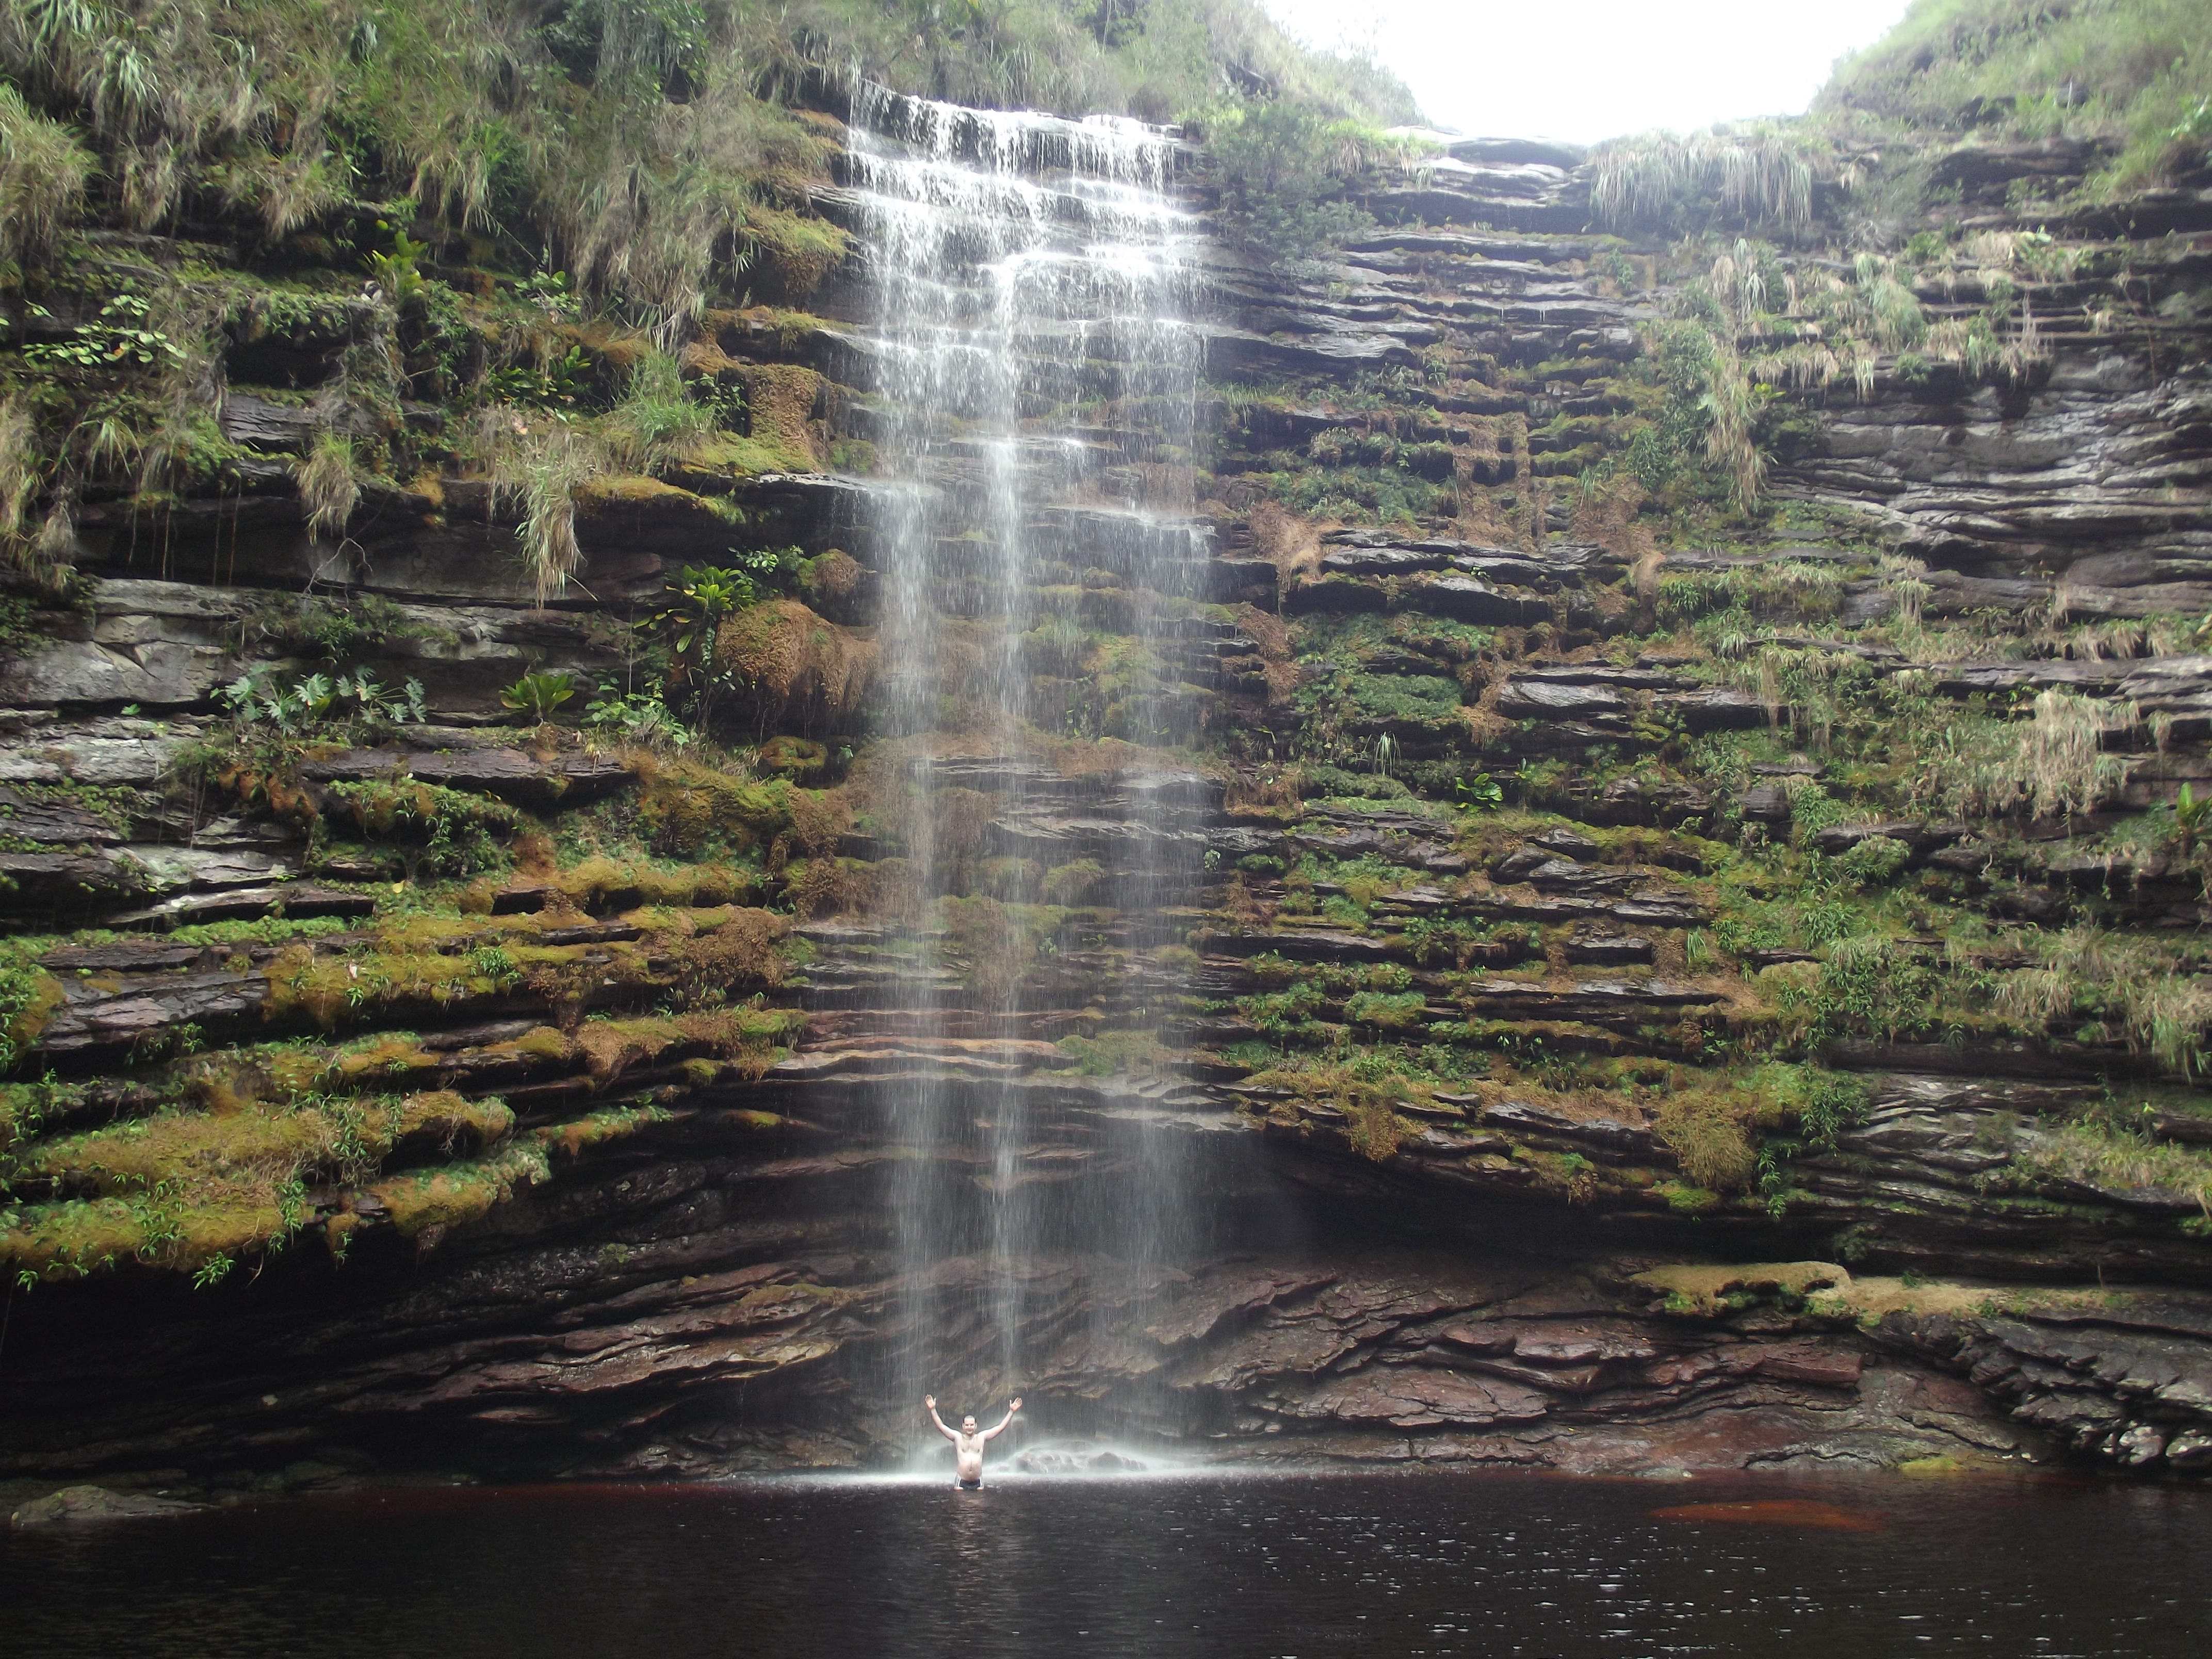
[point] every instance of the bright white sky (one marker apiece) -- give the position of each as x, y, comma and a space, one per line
1595, 68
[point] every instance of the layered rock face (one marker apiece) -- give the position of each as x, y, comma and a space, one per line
1333, 897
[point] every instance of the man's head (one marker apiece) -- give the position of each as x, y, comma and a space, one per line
967, 1425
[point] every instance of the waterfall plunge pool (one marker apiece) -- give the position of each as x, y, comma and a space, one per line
1261, 1565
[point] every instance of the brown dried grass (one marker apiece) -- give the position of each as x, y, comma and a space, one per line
1291, 543
1609, 515
1266, 630
1711, 1137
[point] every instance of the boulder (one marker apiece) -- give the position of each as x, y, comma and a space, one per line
84, 1505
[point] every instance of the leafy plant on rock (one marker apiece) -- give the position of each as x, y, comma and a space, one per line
1478, 792
538, 695
259, 699
2191, 814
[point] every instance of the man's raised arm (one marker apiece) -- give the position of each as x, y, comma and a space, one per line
929, 1403
1004, 1422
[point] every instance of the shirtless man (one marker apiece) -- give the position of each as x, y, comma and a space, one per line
967, 1444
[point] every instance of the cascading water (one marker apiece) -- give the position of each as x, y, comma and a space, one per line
1034, 371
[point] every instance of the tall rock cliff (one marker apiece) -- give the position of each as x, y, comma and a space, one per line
1588, 854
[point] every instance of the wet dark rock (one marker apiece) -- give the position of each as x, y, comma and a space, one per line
1305, 944
1608, 949
1658, 803
1722, 710
246, 419
2040, 905
1965, 858
1631, 1138
65, 881
1638, 678
1766, 803
1503, 567
1516, 864
1567, 843
1379, 560
1466, 600
145, 1013
1569, 875
2123, 1387
1335, 595
55, 822
301, 900
508, 773
2187, 1128
1231, 353
1533, 699
1593, 1000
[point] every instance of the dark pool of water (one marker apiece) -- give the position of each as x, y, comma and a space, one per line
1278, 1566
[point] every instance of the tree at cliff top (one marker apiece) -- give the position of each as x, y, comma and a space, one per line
2137, 72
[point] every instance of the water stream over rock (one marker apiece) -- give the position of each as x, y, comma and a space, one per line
1034, 371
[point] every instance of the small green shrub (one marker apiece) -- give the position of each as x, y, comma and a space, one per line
1391, 1012
1283, 170
1870, 987
1826, 1102
1873, 861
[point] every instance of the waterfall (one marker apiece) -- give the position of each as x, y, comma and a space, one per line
1032, 366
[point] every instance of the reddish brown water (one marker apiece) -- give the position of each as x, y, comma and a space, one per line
1264, 1567
1776, 1512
